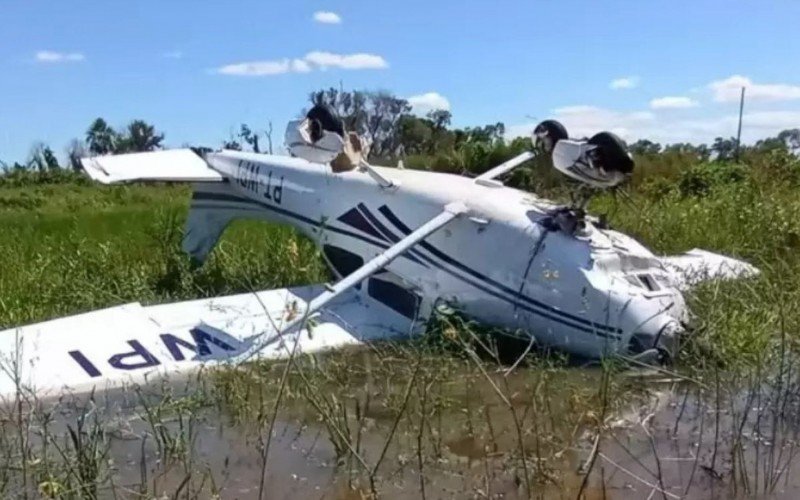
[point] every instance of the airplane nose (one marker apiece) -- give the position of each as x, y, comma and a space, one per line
660, 344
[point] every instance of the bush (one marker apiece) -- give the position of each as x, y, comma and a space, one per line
699, 180
22, 177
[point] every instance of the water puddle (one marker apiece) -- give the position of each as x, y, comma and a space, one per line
403, 425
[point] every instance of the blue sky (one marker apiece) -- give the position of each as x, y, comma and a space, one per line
669, 71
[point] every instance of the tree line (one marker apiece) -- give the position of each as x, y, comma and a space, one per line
394, 132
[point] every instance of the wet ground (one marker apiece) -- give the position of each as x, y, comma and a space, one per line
406, 427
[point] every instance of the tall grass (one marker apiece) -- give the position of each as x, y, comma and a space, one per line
83, 248
445, 415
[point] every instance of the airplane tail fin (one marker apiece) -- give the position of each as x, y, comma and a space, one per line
175, 165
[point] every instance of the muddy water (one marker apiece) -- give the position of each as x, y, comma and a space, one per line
408, 427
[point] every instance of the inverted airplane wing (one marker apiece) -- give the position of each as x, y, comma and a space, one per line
696, 266
169, 165
132, 343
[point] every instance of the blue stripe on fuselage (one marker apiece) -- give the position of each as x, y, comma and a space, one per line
518, 300
592, 326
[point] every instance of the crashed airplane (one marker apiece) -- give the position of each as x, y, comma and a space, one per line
400, 242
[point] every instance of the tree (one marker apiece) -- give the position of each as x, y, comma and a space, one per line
374, 115
415, 134
700, 151
771, 144
440, 117
268, 135
488, 134
791, 138
724, 148
76, 151
383, 115
249, 137
101, 138
42, 158
644, 147
350, 106
140, 137
232, 145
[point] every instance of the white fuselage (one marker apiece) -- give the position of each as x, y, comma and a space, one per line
588, 292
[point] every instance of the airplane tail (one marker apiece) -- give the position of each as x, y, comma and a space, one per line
213, 207
176, 165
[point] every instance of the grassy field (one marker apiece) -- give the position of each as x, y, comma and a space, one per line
71, 248
411, 417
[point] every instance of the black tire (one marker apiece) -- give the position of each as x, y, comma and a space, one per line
548, 133
326, 119
612, 152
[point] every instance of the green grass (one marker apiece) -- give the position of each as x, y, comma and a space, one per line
70, 247
79, 248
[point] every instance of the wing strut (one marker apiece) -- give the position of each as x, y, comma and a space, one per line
505, 167
450, 212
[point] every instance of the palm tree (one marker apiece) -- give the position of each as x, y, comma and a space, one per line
142, 137
101, 138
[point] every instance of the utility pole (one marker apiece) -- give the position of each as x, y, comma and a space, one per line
739, 132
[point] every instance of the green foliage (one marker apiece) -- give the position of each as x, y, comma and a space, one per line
375, 115
138, 136
700, 179
20, 176
77, 248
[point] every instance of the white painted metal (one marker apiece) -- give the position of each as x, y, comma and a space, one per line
169, 165
132, 344
377, 263
573, 158
696, 266
505, 166
298, 140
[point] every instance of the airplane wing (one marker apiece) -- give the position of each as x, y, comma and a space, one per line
169, 165
696, 266
132, 344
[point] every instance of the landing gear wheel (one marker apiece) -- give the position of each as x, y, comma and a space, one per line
324, 118
611, 153
547, 134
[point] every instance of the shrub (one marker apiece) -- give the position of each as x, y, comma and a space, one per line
700, 179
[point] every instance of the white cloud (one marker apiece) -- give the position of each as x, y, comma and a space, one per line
346, 61
300, 66
49, 56
256, 68
729, 90
627, 82
430, 101
585, 121
673, 102
173, 54
326, 17
313, 60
